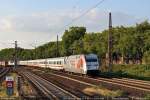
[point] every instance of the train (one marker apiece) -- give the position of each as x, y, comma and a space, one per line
82, 64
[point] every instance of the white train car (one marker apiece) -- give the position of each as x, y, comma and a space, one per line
53, 63
56, 63
37, 62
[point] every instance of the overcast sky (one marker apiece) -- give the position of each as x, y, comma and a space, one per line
34, 22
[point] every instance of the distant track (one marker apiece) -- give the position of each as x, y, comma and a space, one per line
127, 83
135, 80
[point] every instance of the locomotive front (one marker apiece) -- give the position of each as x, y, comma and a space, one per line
92, 63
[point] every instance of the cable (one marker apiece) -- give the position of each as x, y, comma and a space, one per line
77, 2
75, 19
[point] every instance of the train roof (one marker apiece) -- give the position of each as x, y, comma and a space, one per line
87, 55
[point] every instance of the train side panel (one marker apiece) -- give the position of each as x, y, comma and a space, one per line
56, 63
76, 64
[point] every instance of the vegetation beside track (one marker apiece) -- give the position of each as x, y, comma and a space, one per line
100, 90
147, 97
141, 72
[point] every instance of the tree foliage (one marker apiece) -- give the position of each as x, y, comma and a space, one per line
71, 38
131, 43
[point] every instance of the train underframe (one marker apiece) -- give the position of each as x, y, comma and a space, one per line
93, 72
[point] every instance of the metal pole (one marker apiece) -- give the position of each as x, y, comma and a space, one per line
35, 52
45, 59
15, 58
34, 56
57, 48
110, 43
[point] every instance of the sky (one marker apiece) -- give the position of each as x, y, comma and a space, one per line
35, 22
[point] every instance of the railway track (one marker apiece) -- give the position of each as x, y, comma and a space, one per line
50, 90
135, 83
141, 85
133, 80
130, 85
32, 94
3, 72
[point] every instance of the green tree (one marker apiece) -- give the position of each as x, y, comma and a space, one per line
70, 36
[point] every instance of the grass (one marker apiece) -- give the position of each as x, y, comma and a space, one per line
103, 91
147, 97
100, 90
141, 72
26, 88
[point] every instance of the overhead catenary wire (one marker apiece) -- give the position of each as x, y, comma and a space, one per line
77, 18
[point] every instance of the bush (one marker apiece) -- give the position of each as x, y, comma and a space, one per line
132, 71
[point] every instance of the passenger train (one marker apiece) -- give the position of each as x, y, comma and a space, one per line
83, 64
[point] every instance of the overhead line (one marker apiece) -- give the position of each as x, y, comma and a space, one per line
87, 11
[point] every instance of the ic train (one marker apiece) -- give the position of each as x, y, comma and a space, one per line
83, 64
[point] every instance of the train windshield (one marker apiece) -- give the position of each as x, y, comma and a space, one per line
91, 60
